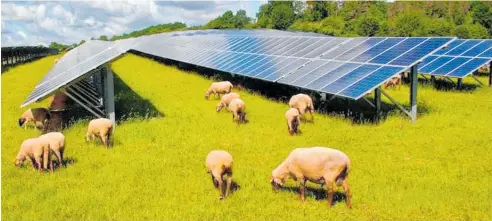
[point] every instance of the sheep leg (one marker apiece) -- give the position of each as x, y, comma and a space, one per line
51, 166
104, 140
33, 163
38, 162
46, 156
229, 182
218, 177
347, 193
59, 158
302, 187
329, 180
216, 184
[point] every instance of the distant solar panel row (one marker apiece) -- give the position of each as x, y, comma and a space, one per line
459, 59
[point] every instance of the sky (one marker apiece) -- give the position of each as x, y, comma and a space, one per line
41, 22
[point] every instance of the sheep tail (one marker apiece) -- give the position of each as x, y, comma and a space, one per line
341, 177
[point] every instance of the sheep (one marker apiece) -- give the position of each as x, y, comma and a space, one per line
293, 121
303, 103
320, 165
35, 150
35, 115
225, 100
393, 82
218, 88
219, 163
56, 143
237, 107
100, 127
56, 60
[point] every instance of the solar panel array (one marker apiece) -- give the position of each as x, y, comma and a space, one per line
461, 58
347, 67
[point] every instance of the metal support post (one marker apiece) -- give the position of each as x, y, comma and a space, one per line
377, 101
323, 96
109, 94
460, 83
413, 92
490, 74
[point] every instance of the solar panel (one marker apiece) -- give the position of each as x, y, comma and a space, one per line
346, 67
461, 58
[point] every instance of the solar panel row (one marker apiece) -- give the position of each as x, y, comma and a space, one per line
347, 67
459, 59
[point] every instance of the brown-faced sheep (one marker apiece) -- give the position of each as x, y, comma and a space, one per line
237, 107
56, 143
34, 149
35, 115
293, 121
393, 82
303, 103
100, 127
226, 100
219, 163
317, 164
218, 88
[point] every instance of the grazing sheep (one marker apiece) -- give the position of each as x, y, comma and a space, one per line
219, 163
303, 103
320, 165
102, 128
35, 115
225, 100
33, 149
293, 121
56, 143
237, 107
218, 88
393, 82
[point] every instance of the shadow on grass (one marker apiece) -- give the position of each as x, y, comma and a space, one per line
442, 84
128, 106
359, 112
317, 193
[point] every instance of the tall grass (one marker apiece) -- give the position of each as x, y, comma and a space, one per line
436, 168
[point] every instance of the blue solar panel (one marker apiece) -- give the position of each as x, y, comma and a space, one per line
360, 88
450, 66
486, 54
332, 76
397, 50
343, 48
451, 46
419, 51
469, 67
319, 42
317, 73
463, 47
329, 44
246, 64
278, 62
302, 71
376, 50
479, 48
435, 64
277, 74
369, 43
349, 79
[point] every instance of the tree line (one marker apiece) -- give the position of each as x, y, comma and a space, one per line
348, 19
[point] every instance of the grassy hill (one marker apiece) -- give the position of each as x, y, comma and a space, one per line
436, 168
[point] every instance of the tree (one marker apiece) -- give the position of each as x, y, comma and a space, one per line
103, 38
471, 31
263, 16
408, 24
368, 26
241, 19
333, 26
482, 14
282, 16
82, 42
92, 38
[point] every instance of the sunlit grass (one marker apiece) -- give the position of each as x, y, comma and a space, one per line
437, 168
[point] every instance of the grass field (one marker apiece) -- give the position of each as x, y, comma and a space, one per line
438, 168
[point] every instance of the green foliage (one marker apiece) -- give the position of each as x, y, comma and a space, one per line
58, 46
471, 31
437, 168
482, 14
155, 29
334, 26
407, 25
282, 16
368, 26
228, 20
103, 38
82, 42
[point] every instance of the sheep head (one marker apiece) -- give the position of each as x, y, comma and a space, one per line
219, 106
19, 160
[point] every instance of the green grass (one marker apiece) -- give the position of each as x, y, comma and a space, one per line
438, 168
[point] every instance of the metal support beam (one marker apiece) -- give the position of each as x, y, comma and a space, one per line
424, 77
369, 102
490, 74
476, 79
377, 101
109, 94
81, 103
413, 92
460, 83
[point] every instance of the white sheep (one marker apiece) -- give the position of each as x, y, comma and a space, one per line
393, 82
56, 143
35, 115
226, 100
219, 163
101, 127
293, 121
320, 165
303, 103
33, 149
237, 107
218, 88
